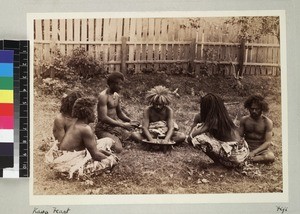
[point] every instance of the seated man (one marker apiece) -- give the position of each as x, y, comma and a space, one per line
64, 119
256, 128
79, 149
158, 120
112, 121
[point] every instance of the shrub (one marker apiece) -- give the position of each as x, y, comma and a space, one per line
55, 67
53, 86
70, 68
83, 65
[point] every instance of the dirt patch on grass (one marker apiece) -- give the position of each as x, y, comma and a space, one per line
184, 169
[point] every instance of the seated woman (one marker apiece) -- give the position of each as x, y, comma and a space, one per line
216, 135
158, 125
64, 119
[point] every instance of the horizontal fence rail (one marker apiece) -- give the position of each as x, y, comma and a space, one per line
159, 44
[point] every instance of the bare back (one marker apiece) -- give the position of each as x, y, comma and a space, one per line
73, 139
61, 125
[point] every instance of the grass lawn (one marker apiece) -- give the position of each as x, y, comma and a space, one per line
184, 170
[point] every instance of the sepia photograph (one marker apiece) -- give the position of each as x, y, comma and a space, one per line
167, 106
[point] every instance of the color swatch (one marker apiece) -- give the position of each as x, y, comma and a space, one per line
18, 106
6, 108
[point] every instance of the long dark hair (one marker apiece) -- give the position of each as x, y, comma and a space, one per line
83, 108
68, 102
215, 116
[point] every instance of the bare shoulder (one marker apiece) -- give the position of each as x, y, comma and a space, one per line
147, 109
244, 119
84, 129
103, 93
59, 118
102, 97
267, 121
169, 109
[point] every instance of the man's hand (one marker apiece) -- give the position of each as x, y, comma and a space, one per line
164, 141
157, 141
135, 124
128, 126
189, 139
251, 155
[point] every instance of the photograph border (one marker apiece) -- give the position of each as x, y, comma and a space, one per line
167, 198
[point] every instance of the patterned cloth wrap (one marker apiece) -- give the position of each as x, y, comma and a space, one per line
159, 129
117, 131
79, 163
230, 154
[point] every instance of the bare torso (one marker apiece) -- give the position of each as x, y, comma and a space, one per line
112, 103
155, 116
255, 130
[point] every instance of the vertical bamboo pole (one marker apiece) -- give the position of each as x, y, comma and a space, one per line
69, 35
38, 51
46, 48
98, 37
77, 32
91, 36
192, 55
124, 55
62, 35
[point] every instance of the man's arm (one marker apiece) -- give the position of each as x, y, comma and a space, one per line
268, 137
90, 143
170, 124
121, 114
58, 129
145, 125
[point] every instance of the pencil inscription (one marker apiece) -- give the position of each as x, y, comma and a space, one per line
55, 210
281, 209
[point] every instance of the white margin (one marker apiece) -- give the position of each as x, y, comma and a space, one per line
167, 198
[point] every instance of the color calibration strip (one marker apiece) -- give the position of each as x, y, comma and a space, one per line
6, 110
21, 107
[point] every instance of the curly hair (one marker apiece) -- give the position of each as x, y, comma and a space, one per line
258, 100
84, 108
215, 116
68, 102
112, 77
159, 94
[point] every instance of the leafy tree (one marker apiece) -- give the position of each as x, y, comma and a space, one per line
254, 27
248, 28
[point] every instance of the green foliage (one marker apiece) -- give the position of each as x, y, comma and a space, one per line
249, 28
193, 23
53, 86
70, 68
84, 65
252, 28
55, 67
60, 72
176, 68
